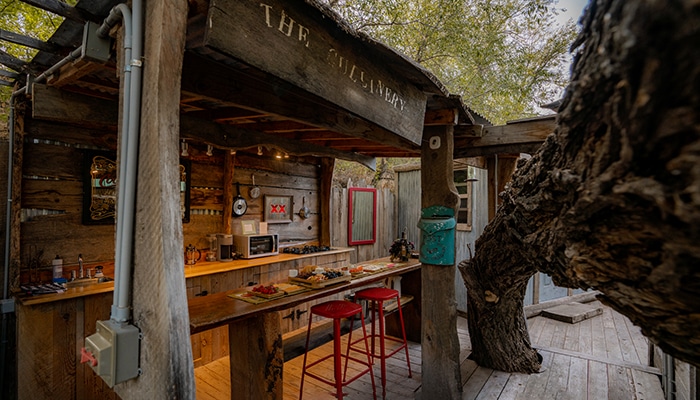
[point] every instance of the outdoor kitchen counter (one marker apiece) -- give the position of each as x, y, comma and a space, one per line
200, 269
214, 267
207, 312
254, 330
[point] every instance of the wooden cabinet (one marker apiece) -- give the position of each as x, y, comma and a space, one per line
49, 338
213, 344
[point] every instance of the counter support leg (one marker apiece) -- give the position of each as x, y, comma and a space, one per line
257, 357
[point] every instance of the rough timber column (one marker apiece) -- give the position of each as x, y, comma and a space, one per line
440, 344
159, 297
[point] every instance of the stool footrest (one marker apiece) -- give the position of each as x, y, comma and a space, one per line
332, 383
373, 352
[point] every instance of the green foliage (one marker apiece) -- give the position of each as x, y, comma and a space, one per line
504, 57
18, 17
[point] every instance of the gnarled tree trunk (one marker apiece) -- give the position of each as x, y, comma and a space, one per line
611, 201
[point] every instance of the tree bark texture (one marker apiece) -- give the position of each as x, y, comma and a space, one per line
611, 201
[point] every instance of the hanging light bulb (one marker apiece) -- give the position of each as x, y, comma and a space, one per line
286, 155
210, 150
184, 147
259, 150
278, 156
471, 174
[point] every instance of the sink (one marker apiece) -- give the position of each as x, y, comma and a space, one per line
81, 282
87, 282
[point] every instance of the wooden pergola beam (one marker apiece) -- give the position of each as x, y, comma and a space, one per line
27, 41
12, 62
234, 138
246, 91
8, 74
513, 137
62, 9
484, 151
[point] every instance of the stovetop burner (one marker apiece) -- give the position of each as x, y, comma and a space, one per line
305, 249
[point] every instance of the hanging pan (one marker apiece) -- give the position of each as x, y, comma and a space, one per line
304, 210
255, 190
240, 206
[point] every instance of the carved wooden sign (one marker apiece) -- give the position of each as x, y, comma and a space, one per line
295, 42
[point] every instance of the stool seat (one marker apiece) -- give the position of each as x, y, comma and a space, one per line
377, 294
336, 309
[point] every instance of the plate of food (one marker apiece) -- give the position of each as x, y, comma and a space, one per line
267, 291
316, 277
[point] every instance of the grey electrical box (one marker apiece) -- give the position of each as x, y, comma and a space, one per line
114, 351
95, 48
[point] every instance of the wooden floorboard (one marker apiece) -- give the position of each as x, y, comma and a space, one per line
604, 357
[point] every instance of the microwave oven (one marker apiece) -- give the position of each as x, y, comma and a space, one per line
252, 246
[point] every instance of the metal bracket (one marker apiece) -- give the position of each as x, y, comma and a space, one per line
95, 48
7, 306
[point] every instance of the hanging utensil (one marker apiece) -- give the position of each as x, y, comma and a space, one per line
254, 191
304, 210
240, 206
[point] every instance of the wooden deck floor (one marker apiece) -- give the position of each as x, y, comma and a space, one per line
604, 357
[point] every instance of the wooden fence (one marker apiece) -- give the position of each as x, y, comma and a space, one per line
386, 230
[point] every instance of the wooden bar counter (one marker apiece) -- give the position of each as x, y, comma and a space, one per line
209, 312
255, 336
54, 326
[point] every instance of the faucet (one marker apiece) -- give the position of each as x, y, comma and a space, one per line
80, 266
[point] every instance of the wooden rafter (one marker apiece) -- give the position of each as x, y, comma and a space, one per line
62, 9
514, 137
8, 74
236, 138
12, 62
27, 41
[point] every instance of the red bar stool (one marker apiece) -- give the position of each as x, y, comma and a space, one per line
338, 309
378, 296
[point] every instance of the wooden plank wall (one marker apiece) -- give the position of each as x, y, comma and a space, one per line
386, 232
49, 361
272, 176
409, 189
52, 197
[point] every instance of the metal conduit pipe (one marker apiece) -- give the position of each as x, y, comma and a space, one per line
121, 306
130, 124
122, 261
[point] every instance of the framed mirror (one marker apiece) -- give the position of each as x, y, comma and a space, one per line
100, 188
362, 216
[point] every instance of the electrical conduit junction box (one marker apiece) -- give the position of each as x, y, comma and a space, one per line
113, 351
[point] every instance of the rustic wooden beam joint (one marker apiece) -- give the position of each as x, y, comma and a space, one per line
441, 117
234, 138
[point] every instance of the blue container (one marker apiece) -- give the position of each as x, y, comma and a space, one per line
437, 226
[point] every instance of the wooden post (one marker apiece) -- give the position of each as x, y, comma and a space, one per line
500, 171
159, 297
257, 355
440, 344
16, 196
324, 204
229, 167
